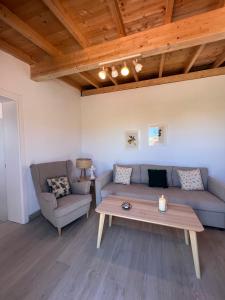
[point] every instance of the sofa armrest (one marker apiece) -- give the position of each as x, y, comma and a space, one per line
216, 187
100, 182
81, 188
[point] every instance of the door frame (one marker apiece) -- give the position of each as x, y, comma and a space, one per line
19, 105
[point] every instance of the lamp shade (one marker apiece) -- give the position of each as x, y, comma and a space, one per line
83, 163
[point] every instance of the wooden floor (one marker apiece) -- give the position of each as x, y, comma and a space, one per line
135, 261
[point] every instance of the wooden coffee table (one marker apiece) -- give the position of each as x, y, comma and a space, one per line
177, 216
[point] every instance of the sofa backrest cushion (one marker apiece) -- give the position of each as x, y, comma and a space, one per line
176, 180
145, 168
135, 175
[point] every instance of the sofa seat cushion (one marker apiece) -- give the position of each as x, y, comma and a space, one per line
201, 200
70, 203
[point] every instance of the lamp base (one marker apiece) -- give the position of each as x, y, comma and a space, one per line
83, 175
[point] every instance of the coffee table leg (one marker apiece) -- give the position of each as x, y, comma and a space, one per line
194, 246
186, 236
110, 220
100, 229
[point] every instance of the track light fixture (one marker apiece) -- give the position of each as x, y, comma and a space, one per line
114, 72
102, 74
138, 66
125, 71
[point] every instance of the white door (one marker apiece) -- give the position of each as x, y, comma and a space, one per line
3, 199
12, 162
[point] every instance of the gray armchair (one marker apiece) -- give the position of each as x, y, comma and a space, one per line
65, 210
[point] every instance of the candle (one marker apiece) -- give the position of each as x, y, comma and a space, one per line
162, 204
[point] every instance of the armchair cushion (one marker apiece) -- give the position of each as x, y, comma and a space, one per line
59, 186
71, 203
81, 188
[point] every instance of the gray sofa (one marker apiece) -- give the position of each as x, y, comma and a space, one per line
65, 210
208, 204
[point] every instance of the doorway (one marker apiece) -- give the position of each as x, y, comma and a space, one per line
10, 162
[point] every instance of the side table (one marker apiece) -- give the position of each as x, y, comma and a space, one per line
92, 190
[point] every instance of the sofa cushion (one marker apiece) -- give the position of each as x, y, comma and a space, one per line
135, 174
70, 203
59, 186
145, 168
201, 200
191, 180
122, 175
157, 178
176, 179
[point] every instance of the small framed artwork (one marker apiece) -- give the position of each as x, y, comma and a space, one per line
156, 135
132, 139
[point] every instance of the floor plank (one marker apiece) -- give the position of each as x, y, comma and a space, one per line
135, 261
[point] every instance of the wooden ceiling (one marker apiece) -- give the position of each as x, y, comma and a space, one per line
66, 39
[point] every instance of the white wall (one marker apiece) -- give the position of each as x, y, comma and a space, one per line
3, 202
193, 111
49, 118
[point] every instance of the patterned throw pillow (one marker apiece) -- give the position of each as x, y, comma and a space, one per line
191, 180
59, 186
122, 175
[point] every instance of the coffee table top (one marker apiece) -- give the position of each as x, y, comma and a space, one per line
177, 216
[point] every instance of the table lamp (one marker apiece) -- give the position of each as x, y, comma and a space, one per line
83, 164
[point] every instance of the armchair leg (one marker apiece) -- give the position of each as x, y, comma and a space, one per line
59, 231
87, 214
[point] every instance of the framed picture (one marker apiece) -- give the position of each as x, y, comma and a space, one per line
132, 139
156, 135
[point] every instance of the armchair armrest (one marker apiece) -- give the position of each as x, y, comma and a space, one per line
48, 201
81, 188
216, 187
100, 182
48, 204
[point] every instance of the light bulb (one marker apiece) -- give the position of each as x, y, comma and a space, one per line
125, 71
138, 66
114, 72
102, 74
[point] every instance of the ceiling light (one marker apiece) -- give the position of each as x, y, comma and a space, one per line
119, 59
125, 71
138, 66
114, 72
102, 74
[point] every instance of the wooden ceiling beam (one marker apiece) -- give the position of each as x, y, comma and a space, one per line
110, 77
89, 79
135, 75
56, 7
15, 51
195, 56
169, 11
70, 81
161, 64
156, 81
221, 3
167, 19
13, 21
189, 32
117, 17
20, 26
219, 61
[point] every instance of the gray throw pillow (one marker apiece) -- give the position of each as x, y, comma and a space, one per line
81, 187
